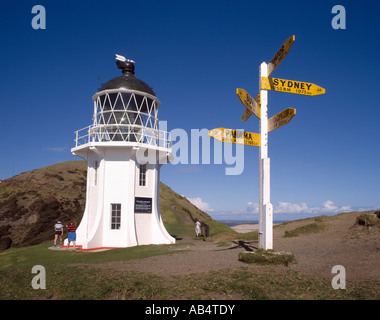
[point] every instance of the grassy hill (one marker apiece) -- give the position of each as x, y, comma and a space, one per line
32, 201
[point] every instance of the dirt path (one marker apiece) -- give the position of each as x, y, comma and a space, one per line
342, 242
355, 248
201, 256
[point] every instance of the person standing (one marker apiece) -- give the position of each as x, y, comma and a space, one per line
58, 232
198, 227
72, 237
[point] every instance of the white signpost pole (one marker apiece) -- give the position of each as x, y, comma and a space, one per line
265, 207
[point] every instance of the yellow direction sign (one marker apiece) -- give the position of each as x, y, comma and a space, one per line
281, 54
291, 86
253, 105
281, 119
246, 114
235, 136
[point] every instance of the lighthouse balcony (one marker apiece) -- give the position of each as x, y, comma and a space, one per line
121, 134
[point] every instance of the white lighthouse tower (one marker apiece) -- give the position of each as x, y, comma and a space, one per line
124, 151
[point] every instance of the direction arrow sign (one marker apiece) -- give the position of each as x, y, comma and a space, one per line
253, 105
291, 86
281, 54
235, 136
281, 119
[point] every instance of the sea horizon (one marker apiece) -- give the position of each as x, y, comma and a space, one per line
232, 223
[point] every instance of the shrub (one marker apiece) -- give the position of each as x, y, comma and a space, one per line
368, 220
264, 257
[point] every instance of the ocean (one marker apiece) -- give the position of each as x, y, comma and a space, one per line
232, 223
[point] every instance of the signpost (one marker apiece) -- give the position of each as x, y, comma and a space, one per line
291, 86
259, 107
281, 54
281, 119
235, 136
252, 105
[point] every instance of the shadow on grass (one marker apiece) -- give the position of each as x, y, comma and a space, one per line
246, 245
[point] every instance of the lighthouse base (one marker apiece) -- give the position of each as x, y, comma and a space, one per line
122, 200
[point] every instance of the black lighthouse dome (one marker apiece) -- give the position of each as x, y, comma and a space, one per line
127, 80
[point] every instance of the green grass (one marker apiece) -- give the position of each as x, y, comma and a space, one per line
87, 283
175, 226
306, 229
65, 280
27, 257
80, 283
218, 228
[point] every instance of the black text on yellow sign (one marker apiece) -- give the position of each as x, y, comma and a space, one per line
291, 86
281, 119
235, 136
281, 54
253, 105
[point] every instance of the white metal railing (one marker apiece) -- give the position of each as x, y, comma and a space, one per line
123, 133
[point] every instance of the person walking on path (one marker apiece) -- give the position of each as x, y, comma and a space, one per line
198, 227
72, 237
58, 232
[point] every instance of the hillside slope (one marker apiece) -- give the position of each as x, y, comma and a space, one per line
32, 201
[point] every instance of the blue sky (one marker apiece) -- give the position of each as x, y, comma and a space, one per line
195, 54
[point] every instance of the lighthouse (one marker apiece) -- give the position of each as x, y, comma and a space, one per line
124, 150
